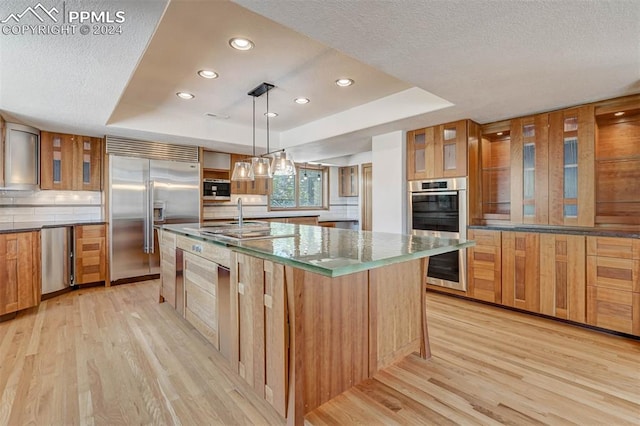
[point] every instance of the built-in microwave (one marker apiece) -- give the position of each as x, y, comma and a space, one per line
216, 189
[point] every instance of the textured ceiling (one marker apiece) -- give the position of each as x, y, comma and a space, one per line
492, 59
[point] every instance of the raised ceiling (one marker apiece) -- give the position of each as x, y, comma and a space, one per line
491, 59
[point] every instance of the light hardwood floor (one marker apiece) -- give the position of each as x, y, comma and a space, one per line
115, 356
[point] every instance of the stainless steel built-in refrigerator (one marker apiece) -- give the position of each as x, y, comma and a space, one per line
144, 193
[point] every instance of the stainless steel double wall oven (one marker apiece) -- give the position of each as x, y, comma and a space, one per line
438, 208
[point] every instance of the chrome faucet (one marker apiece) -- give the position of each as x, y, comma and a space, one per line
240, 212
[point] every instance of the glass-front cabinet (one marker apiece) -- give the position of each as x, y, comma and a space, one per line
552, 163
571, 165
70, 162
529, 165
440, 151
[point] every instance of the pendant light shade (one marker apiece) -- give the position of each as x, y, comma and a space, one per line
283, 164
261, 167
242, 171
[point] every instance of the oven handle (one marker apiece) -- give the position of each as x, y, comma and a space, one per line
435, 193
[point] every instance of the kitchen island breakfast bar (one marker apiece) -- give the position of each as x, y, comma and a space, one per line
302, 313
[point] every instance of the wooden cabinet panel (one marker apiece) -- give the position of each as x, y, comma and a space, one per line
451, 149
421, 153
562, 276
613, 309
168, 269
529, 170
485, 266
439, 151
521, 270
56, 161
613, 278
259, 351
200, 296
70, 162
213, 252
571, 167
348, 181
20, 281
90, 253
490, 174
88, 163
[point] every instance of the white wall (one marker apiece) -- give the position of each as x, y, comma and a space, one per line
389, 185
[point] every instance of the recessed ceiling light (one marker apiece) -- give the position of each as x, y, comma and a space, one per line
240, 43
271, 114
301, 101
207, 74
185, 95
344, 82
618, 114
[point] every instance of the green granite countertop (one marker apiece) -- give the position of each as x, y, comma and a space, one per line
329, 251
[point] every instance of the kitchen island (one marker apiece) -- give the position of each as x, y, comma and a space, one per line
307, 312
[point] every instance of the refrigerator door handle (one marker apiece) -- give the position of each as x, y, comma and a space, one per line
150, 217
145, 219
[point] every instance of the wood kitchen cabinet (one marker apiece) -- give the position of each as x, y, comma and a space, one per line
90, 253
348, 181
440, 151
617, 158
613, 283
260, 352
529, 169
494, 175
485, 265
20, 279
521, 270
70, 162
200, 296
168, 272
552, 163
563, 277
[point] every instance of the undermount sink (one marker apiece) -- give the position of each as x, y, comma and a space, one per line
250, 229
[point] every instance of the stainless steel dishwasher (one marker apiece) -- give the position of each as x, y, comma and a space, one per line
57, 259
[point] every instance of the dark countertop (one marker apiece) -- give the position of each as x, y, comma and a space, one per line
569, 230
330, 219
8, 228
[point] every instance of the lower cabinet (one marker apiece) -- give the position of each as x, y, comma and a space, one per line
260, 351
200, 296
168, 272
521, 270
613, 283
20, 279
485, 266
563, 276
90, 253
592, 280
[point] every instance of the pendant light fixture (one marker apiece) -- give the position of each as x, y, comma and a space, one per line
262, 166
242, 171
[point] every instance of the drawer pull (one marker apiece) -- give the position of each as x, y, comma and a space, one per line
197, 248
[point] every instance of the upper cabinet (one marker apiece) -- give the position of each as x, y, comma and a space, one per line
439, 151
552, 164
348, 181
535, 170
617, 162
70, 162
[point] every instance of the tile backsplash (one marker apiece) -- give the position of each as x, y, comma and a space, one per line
37, 206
